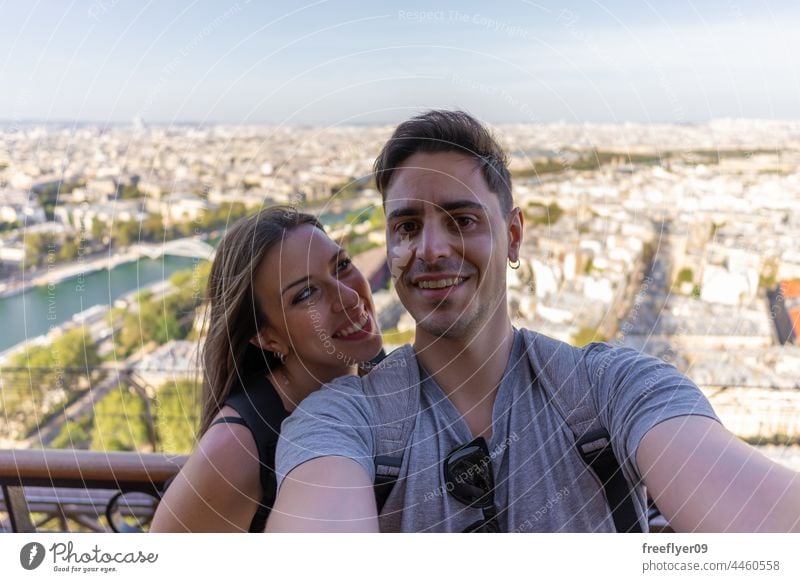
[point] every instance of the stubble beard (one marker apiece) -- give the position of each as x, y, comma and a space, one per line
461, 327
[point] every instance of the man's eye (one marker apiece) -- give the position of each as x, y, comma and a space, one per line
406, 227
463, 221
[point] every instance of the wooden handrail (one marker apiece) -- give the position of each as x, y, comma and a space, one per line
93, 470
77, 468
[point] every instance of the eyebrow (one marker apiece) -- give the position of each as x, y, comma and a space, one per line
447, 207
333, 258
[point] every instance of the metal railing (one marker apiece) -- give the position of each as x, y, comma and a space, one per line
82, 490
75, 490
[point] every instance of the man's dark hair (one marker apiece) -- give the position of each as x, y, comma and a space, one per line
446, 131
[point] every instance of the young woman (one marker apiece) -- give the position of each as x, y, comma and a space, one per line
288, 312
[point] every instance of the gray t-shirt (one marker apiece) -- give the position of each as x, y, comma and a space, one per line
541, 483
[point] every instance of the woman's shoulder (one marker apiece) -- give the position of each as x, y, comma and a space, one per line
218, 489
258, 407
228, 436
227, 454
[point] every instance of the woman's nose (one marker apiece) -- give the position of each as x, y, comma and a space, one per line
346, 298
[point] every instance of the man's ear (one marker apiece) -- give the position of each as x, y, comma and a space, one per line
267, 340
515, 223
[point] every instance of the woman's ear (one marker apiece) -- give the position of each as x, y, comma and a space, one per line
267, 340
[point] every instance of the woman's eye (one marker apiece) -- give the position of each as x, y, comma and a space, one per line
303, 295
343, 264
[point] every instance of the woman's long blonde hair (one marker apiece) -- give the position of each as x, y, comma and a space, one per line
233, 314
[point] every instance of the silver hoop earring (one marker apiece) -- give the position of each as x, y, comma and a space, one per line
514, 265
281, 356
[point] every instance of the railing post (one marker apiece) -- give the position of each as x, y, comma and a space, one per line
17, 508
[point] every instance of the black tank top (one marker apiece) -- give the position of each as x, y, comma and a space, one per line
262, 412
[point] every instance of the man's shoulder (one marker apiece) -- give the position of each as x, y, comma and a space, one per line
399, 368
337, 393
590, 351
343, 385
547, 351
604, 354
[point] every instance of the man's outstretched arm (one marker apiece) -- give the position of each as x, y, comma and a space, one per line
705, 479
326, 494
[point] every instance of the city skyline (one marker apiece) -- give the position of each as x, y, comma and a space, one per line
344, 63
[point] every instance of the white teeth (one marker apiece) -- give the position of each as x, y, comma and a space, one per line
440, 284
355, 327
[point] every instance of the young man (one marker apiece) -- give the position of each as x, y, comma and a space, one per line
487, 423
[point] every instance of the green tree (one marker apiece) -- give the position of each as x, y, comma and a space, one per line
185, 229
540, 214
125, 233
129, 336
153, 228
177, 414
6, 226
98, 229
225, 214
180, 279
37, 248
165, 319
121, 422
78, 349
189, 285
129, 192
73, 435
68, 251
686, 275
48, 196
156, 321
159, 324
41, 378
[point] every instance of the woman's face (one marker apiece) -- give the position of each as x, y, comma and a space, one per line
319, 306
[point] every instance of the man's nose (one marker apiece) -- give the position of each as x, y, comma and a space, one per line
434, 243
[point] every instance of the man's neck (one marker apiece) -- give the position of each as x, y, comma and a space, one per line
468, 370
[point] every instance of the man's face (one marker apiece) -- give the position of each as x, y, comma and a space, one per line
448, 242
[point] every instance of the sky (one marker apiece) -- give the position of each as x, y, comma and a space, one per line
342, 62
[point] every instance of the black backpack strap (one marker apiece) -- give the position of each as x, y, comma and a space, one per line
387, 469
562, 373
261, 410
393, 389
602, 460
228, 420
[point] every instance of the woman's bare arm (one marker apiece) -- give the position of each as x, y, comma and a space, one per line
219, 488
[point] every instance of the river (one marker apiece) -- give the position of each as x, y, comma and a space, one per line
36, 310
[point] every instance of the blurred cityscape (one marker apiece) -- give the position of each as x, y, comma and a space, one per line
678, 240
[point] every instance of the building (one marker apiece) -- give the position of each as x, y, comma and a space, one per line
20, 206
181, 207
171, 362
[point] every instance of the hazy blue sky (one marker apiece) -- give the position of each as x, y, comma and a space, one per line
355, 62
